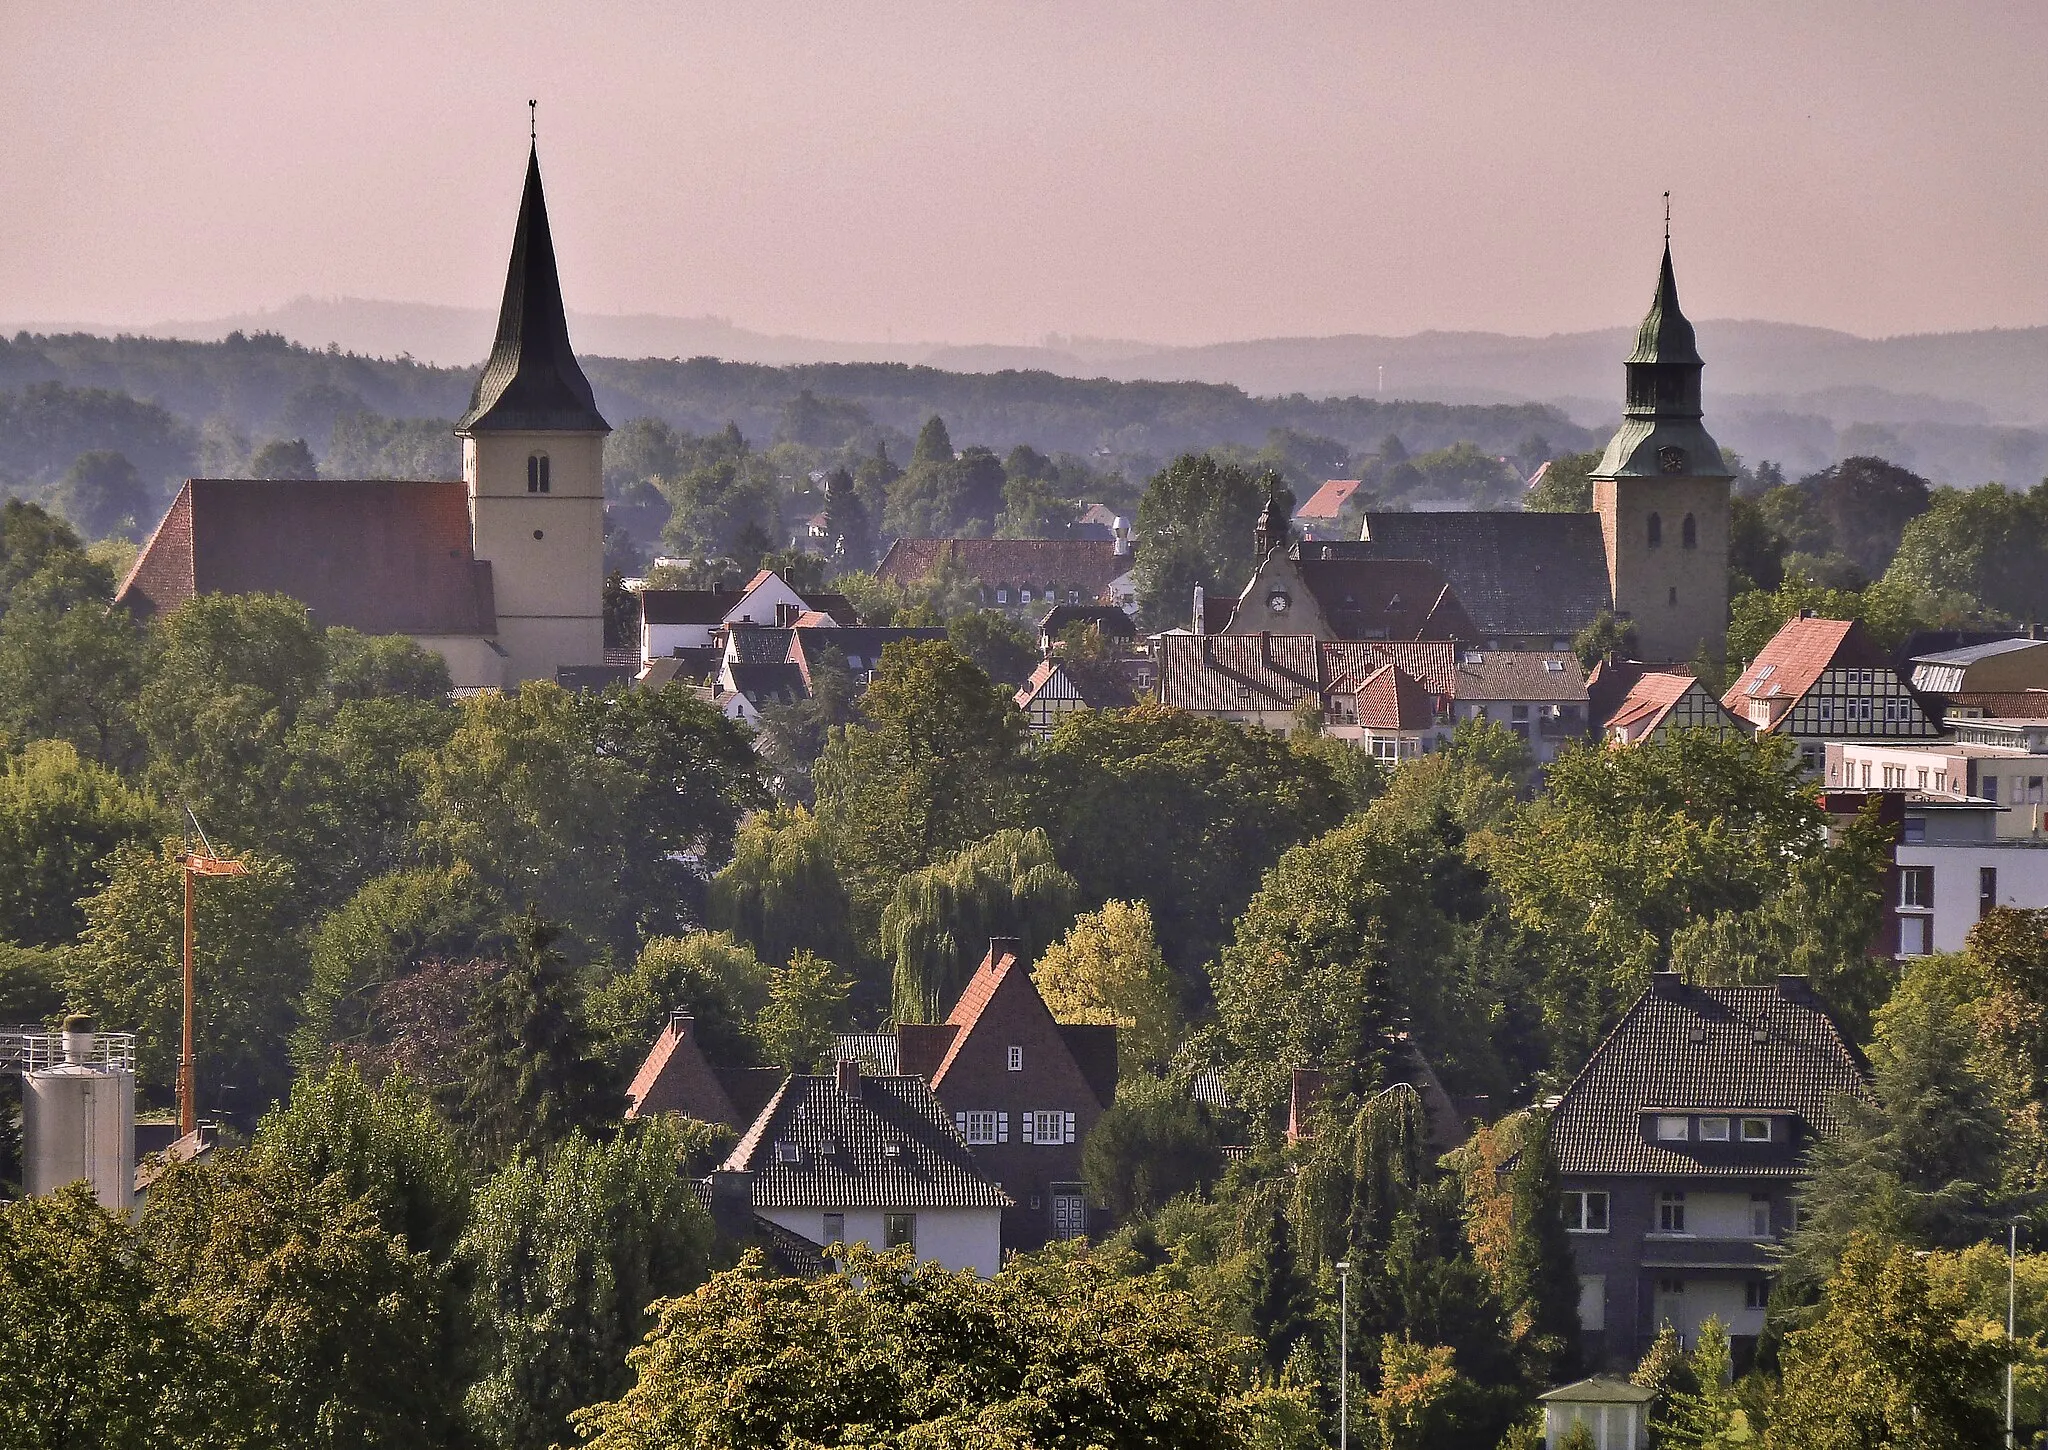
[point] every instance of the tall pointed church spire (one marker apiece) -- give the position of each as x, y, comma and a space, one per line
532, 382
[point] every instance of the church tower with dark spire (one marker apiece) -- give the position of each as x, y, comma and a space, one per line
1661, 491
533, 459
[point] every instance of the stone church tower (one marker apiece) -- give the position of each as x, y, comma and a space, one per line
533, 460
1661, 492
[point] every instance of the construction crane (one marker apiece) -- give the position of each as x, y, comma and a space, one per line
206, 862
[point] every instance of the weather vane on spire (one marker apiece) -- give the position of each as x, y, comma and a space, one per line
1667, 218
533, 134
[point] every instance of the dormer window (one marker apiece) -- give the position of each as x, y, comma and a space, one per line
1756, 1130
788, 1153
537, 473
1713, 1130
1673, 1128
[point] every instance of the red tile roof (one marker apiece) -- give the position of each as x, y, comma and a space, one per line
675, 1078
1792, 663
1647, 702
1245, 672
381, 556
974, 1000
1392, 699
1329, 500
1433, 662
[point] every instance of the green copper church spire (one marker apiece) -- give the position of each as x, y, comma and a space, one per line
1661, 432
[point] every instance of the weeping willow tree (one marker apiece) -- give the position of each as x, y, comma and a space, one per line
938, 924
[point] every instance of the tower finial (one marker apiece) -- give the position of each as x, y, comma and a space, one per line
533, 135
1667, 218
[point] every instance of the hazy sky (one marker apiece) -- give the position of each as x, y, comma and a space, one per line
968, 171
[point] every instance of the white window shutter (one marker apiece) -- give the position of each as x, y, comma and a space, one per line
1070, 1127
1030, 1127
1002, 1127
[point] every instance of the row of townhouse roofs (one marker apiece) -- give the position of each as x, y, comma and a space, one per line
1680, 1145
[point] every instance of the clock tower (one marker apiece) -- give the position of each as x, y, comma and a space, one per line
1661, 491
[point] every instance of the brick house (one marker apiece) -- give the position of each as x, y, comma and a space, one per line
1023, 1090
1679, 1148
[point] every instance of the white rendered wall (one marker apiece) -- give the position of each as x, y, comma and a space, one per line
955, 1238
659, 641
2022, 882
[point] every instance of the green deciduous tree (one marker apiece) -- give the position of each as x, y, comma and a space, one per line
71, 664
89, 1354
101, 494
709, 975
940, 919
1566, 486
1108, 969
1882, 1365
59, 818
314, 1313
250, 964
805, 1009
571, 1256
1194, 526
392, 926
1178, 811
1058, 1350
781, 891
1153, 1143
607, 811
933, 769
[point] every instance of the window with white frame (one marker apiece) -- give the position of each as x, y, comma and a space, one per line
1915, 936
1015, 1059
1585, 1211
1756, 1293
1916, 886
1760, 1215
1713, 1130
983, 1127
1756, 1130
1671, 1211
1048, 1127
1673, 1128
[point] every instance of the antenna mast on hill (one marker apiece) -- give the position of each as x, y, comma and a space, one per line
1667, 218
533, 125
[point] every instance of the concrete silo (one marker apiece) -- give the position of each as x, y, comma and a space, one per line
78, 1111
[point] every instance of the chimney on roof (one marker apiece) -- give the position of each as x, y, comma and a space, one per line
1667, 984
1201, 611
1121, 530
1806, 614
1795, 987
847, 1072
732, 1201
1004, 946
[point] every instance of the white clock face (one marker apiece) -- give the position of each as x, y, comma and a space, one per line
1278, 601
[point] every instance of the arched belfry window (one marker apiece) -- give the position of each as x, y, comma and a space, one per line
1690, 535
537, 473
1656, 531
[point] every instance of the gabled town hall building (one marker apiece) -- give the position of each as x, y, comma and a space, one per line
502, 574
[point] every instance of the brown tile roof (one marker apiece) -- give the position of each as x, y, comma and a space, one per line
1392, 699
1647, 702
675, 1078
1721, 1050
2006, 705
1515, 573
377, 555
1224, 672
1386, 599
1514, 674
1089, 565
1329, 500
1433, 662
1793, 662
840, 1145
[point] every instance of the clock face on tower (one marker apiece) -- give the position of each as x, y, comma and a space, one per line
1671, 460
1278, 601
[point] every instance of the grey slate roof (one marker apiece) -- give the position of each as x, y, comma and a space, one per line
871, 1049
777, 684
1707, 1049
1207, 672
532, 381
756, 644
1516, 674
843, 1140
1515, 573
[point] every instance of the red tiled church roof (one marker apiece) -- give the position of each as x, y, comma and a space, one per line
377, 555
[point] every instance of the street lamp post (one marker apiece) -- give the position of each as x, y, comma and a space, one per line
2012, 1267
1344, 1356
